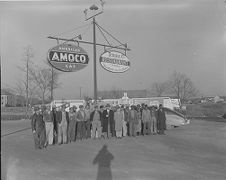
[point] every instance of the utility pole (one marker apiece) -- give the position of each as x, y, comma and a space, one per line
52, 84
80, 92
27, 88
94, 61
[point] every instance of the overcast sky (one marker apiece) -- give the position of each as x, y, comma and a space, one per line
187, 36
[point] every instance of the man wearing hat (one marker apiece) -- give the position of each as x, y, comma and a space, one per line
72, 124
81, 128
87, 122
95, 118
161, 120
108, 122
48, 119
133, 119
62, 121
146, 119
53, 116
38, 128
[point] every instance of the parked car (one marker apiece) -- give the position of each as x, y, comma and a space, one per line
174, 118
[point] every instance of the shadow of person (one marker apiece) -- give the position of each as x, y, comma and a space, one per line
103, 159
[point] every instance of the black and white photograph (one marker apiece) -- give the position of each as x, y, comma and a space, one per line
113, 89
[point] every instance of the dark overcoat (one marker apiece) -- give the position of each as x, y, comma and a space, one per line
161, 120
37, 123
108, 119
59, 117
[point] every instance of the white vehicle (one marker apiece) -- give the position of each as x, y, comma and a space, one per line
174, 118
155, 101
69, 103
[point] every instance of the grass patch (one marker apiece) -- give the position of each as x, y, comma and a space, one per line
206, 110
14, 113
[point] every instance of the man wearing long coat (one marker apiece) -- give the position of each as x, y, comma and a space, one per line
38, 129
108, 122
161, 120
133, 120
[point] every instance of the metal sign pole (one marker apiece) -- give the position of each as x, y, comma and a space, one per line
94, 61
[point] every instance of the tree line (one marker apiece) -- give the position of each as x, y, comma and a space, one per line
178, 85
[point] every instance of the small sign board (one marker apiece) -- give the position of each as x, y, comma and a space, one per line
114, 61
68, 58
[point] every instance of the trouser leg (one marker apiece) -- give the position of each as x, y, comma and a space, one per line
88, 131
49, 133
36, 140
119, 133
79, 130
151, 127
64, 129
154, 126
83, 130
124, 128
73, 131
144, 128
109, 131
99, 129
59, 133
42, 138
148, 127
134, 129
94, 127
70, 131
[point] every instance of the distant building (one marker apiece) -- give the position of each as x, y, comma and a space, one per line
113, 94
3, 100
7, 98
218, 99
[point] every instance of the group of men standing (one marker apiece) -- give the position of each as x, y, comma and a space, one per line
57, 126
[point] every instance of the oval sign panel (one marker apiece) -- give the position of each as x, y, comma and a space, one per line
68, 58
114, 61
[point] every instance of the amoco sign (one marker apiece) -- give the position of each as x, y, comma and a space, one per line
114, 61
68, 58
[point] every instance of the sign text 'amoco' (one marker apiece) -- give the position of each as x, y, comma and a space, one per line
68, 58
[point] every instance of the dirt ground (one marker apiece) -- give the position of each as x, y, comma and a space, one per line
193, 152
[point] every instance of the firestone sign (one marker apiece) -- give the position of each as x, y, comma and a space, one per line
114, 61
68, 58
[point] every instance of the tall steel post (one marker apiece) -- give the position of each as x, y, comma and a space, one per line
94, 61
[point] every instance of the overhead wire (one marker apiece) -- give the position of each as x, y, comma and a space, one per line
85, 31
103, 35
79, 27
110, 34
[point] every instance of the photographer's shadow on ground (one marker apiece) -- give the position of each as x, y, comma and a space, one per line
103, 159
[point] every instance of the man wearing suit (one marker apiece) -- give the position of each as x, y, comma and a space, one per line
62, 118
108, 122
81, 128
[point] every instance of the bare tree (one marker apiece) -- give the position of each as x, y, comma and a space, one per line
20, 90
44, 80
54, 79
28, 54
182, 86
159, 88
